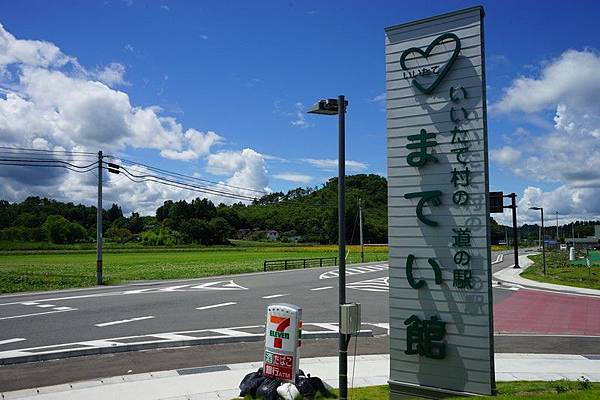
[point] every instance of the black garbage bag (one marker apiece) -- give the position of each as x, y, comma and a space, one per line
305, 388
268, 389
251, 382
318, 385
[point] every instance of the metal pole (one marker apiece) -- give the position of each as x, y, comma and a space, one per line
557, 236
362, 244
573, 232
513, 197
99, 224
343, 346
543, 242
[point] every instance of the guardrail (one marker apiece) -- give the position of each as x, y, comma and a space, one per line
299, 263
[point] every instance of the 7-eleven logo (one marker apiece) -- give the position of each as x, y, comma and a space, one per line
278, 333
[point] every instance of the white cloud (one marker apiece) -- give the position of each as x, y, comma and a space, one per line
506, 155
165, 7
293, 177
331, 164
567, 153
204, 37
379, 98
247, 169
113, 74
49, 101
300, 120
572, 78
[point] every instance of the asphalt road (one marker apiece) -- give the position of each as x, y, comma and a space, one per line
46, 319
97, 314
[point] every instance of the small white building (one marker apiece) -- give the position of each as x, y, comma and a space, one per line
272, 235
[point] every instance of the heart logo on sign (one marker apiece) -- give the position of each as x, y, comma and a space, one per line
425, 54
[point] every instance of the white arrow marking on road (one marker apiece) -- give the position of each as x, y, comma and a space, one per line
220, 285
371, 285
322, 288
123, 321
361, 269
173, 288
7, 341
273, 296
231, 303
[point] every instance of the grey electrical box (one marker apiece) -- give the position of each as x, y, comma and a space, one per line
350, 318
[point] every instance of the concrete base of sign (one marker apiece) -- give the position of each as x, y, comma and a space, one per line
402, 391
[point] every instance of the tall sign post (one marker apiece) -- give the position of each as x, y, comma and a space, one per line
438, 208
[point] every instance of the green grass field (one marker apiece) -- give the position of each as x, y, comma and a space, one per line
557, 390
560, 271
34, 270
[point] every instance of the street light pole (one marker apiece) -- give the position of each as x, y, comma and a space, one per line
557, 236
332, 107
543, 242
343, 345
541, 209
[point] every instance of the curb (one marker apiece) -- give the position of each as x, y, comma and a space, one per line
160, 345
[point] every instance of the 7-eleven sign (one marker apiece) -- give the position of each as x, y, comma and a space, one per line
282, 339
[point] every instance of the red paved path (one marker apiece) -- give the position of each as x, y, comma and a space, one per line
529, 311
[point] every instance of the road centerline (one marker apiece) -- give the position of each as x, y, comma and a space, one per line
123, 321
321, 288
231, 303
273, 296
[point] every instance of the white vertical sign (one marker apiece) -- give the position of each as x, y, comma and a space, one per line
438, 211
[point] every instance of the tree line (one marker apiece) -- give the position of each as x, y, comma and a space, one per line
305, 214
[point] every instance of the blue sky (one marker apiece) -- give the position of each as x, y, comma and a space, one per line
247, 71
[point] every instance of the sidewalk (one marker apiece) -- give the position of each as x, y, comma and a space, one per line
512, 276
221, 381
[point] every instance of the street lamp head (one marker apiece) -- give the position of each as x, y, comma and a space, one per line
536, 208
326, 107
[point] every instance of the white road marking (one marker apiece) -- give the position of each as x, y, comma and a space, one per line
499, 259
45, 305
173, 288
371, 285
322, 288
273, 296
123, 321
64, 308
29, 303
14, 340
137, 291
361, 269
34, 314
164, 337
231, 303
220, 285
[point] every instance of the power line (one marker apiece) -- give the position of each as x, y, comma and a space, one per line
34, 160
189, 177
181, 185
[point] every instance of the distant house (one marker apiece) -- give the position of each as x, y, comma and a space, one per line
243, 233
272, 235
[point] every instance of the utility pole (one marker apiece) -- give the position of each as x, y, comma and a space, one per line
505, 236
362, 245
99, 224
573, 232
